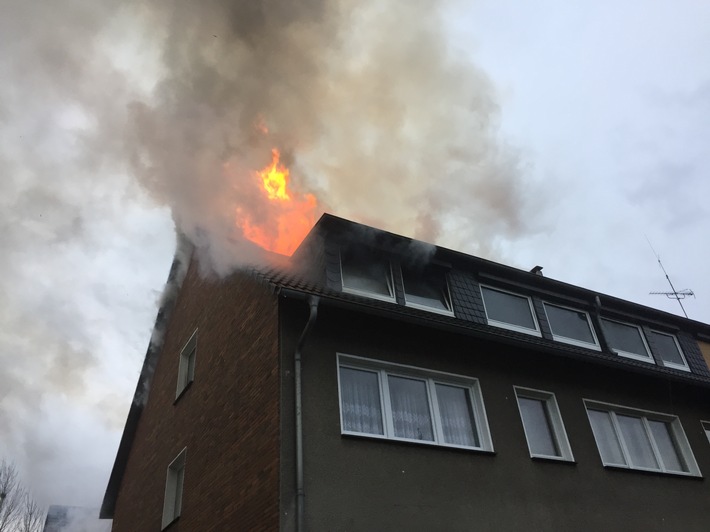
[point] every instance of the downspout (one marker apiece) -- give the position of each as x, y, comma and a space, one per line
300, 495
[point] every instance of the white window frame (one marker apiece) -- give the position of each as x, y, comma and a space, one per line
174, 482
511, 326
432, 378
673, 365
186, 364
627, 354
389, 280
678, 434
706, 428
448, 302
559, 434
572, 341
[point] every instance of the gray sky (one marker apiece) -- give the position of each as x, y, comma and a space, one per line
561, 134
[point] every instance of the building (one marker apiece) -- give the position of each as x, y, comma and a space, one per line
380, 383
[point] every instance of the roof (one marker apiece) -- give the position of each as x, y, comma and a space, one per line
314, 269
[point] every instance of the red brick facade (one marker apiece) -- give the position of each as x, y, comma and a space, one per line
227, 418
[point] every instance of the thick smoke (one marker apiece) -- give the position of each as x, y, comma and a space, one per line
109, 108
378, 117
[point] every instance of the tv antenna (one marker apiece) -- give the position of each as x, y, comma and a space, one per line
673, 294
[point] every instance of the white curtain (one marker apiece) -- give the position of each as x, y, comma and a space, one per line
606, 437
637, 442
360, 395
456, 415
410, 409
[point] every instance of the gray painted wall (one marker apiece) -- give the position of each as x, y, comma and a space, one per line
354, 483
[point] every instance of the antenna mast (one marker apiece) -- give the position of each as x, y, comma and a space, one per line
674, 294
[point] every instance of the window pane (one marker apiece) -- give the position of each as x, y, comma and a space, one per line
365, 272
508, 308
667, 348
637, 443
569, 323
666, 446
456, 414
410, 409
179, 479
606, 438
361, 407
624, 338
426, 288
538, 429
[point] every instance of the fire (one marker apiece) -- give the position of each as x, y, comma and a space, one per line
275, 178
291, 215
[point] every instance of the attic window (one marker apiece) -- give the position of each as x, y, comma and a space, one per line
667, 348
626, 340
571, 326
366, 273
509, 310
427, 288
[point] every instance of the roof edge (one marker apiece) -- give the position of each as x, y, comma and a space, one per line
181, 261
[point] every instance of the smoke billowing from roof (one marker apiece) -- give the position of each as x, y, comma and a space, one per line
116, 105
374, 112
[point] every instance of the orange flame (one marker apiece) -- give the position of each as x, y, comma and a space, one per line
291, 215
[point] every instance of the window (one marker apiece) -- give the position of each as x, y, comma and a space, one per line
626, 340
543, 425
172, 504
427, 289
365, 273
706, 428
410, 404
186, 367
636, 439
668, 350
510, 311
571, 326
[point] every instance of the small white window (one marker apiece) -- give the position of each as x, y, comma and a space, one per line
571, 326
637, 439
510, 311
366, 273
186, 367
626, 340
542, 421
668, 349
706, 428
410, 404
428, 289
172, 505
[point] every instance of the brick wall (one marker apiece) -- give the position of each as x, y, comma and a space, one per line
227, 418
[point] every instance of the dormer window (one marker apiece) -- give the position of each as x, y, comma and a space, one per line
571, 326
366, 273
509, 310
427, 288
668, 350
626, 340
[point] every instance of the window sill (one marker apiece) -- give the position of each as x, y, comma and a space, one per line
375, 437
371, 295
670, 365
435, 310
514, 328
170, 524
634, 356
655, 472
554, 459
578, 343
182, 392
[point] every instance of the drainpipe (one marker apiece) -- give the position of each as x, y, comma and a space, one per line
300, 495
